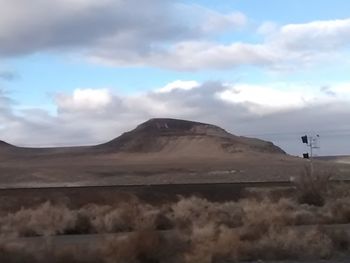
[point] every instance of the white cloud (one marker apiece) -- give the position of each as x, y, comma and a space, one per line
196, 55
262, 100
180, 85
274, 97
85, 99
164, 34
267, 28
209, 21
288, 47
220, 22
315, 36
342, 91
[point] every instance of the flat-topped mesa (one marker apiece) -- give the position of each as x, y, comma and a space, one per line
166, 126
173, 136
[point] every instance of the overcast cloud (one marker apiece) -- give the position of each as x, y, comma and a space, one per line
106, 27
162, 33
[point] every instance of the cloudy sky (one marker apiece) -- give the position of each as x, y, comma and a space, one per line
75, 72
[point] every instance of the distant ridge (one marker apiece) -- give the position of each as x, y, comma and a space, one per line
163, 136
173, 135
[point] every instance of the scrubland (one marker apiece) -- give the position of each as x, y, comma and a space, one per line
189, 230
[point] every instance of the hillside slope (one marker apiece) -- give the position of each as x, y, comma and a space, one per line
172, 136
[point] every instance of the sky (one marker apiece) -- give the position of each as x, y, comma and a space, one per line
81, 72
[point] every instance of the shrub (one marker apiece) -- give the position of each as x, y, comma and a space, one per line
312, 186
46, 220
287, 243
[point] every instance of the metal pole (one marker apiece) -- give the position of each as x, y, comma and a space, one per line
311, 146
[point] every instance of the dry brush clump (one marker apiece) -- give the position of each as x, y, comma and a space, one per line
126, 217
288, 243
44, 220
204, 244
197, 211
190, 230
313, 185
48, 219
219, 244
137, 247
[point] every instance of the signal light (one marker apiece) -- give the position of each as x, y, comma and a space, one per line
304, 139
306, 156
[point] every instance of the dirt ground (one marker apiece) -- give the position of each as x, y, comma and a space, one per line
75, 197
122, 169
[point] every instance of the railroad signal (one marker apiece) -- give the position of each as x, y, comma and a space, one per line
306, 156
304, 139
312, 142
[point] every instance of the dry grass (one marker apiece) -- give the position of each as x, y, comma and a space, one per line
41, 221
282, 243
203, 244
313, 185
48, 219
201, 231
